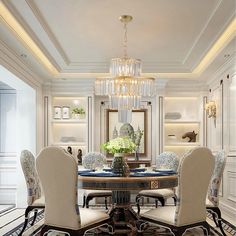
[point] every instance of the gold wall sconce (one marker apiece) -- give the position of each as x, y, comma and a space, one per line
210, 108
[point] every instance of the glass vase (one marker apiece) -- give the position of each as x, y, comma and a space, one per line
119, 165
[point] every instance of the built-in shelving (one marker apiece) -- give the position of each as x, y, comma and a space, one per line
69, 129
190, 144
181, 121
67, 121
181, 115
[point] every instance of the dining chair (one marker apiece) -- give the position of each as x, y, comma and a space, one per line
166, 160
58, 174
195, 170
212, 201
94, 160
35, 198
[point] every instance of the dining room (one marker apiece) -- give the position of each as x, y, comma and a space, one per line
132, 102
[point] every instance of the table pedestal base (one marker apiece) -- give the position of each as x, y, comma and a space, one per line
125, 219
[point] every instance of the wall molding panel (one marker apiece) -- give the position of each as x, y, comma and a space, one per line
223, 90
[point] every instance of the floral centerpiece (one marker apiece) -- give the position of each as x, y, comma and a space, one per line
119, 146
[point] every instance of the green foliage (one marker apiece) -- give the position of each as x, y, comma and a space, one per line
78, 110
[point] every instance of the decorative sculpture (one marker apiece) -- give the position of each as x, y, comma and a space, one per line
69, 149
79, 157
191, 136
137, 140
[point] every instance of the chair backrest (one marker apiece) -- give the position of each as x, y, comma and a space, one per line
214, 186
93, 160
195, 170
58, 174
167, 160
27, 160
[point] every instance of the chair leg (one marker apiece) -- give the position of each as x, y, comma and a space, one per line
218, 213
178, 231
175, 199
106, 203
87, 201
162, 200
156, 203
84, 201
27, 211
43, 230
35, 216
138, 197
214, 218
206, 228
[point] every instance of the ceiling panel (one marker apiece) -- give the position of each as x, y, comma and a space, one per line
81, 36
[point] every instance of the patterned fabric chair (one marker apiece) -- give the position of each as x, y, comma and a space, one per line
212, 201
94, 160
35, 198
195, 170
58, 174
166, 160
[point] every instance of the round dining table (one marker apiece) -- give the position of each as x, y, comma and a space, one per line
124, 217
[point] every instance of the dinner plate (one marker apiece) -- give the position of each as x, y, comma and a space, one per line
164, 170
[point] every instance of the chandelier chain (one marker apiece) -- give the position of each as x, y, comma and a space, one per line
125, 40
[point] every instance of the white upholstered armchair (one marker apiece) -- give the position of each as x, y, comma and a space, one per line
93, 160
194, 175
58, 174
35, 198
212, 202
166, 160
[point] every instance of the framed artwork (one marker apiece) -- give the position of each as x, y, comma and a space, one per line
138, 124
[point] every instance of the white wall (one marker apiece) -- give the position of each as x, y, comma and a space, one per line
223, 135
25, 127
8, 177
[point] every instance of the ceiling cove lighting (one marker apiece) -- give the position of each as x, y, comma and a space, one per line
13, 24
125, 87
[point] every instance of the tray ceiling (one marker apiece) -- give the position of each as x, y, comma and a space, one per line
80, 37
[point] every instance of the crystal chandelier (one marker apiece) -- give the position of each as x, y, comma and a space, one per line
125, 87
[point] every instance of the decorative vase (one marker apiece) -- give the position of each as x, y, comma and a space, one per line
119, 165
136, 154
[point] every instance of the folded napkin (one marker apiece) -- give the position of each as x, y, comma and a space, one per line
99, 174
84, 171
166, 171
143, 174
137, 170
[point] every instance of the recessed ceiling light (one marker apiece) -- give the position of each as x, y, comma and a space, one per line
23, 55
226, 55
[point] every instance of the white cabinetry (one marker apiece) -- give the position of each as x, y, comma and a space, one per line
69, 129
182, 115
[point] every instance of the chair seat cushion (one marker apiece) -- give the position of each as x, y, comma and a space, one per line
164, 214
165, 193
96, 193
89, 216
209, 203
39, 202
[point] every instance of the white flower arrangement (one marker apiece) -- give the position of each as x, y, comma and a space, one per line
119, 145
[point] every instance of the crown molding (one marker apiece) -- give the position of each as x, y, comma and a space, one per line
13, 63
48, 31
